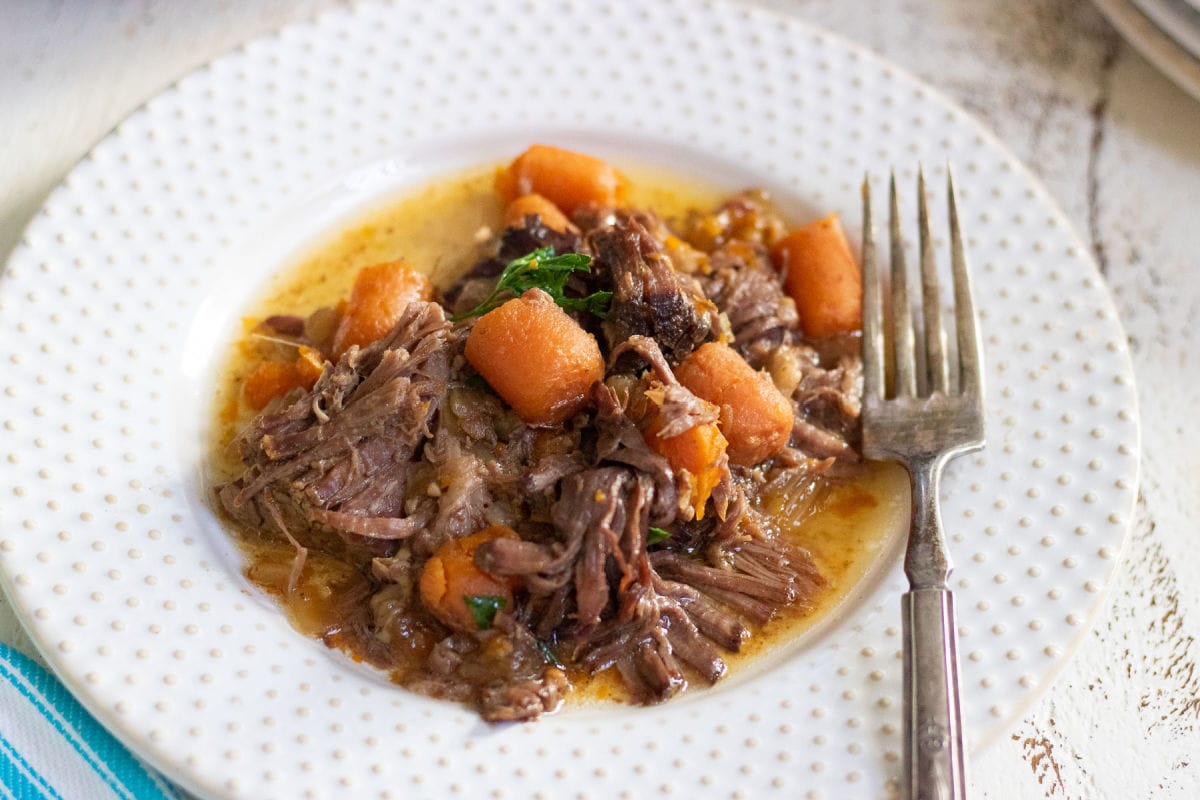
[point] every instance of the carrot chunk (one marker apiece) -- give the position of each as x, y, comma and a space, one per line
755, 418
380, 295
536, 357
309, 365
526, 204
568, 179
699, 450
269, 380
822, 277
459, 593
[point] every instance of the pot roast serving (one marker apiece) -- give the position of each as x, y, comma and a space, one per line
572, 459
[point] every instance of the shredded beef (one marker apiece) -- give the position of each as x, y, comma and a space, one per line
745, 286
649, 297
503, 671
620, 441
340, 455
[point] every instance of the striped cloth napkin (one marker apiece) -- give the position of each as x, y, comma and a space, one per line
52, 749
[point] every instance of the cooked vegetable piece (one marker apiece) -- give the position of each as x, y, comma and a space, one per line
484, 607
270, 379
309, 366
549, 655
655, 535
380, 295
544, 270
755, 418
536, 357
822, 277
459, 593
321, 326
699, 450
568, 179
523, 206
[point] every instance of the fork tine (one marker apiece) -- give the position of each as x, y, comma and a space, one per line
872, 346
969, 358
902, 339
935, 337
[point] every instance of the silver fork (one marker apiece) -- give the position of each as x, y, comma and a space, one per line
925, 422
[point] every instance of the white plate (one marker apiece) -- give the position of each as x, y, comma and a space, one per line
1158, 47
120, 293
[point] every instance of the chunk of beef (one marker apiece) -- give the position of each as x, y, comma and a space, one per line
533, 235
589, 517
745, 286
524, 700
649, 297
745, 567
677, 410
832, 398
716, 623
503, 671
472, 466
551, 469
339, 456
620, 441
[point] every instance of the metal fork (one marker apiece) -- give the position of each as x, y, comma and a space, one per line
927, 420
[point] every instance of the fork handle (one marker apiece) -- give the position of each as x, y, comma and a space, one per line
933, 744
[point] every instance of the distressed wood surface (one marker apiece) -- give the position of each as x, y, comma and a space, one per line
1117, 145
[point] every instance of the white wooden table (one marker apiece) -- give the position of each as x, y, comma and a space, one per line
1116, 143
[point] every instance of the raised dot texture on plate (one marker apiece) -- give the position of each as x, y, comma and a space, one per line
222, 175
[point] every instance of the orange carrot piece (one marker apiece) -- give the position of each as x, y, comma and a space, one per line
526, 204
568, 179
380, 295
269, 380
699, 450
450, 576
822, 277
755, 418
536, 357
309, 365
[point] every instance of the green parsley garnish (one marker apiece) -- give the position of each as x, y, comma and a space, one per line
656, 535
548, 654
483, 608
544, 270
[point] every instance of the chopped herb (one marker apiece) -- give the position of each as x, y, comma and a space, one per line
544, 270
483, 607
597, 303
657, 535
548, 654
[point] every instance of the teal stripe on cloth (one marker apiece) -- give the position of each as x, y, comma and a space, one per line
19, 777
115, 765
11, 752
